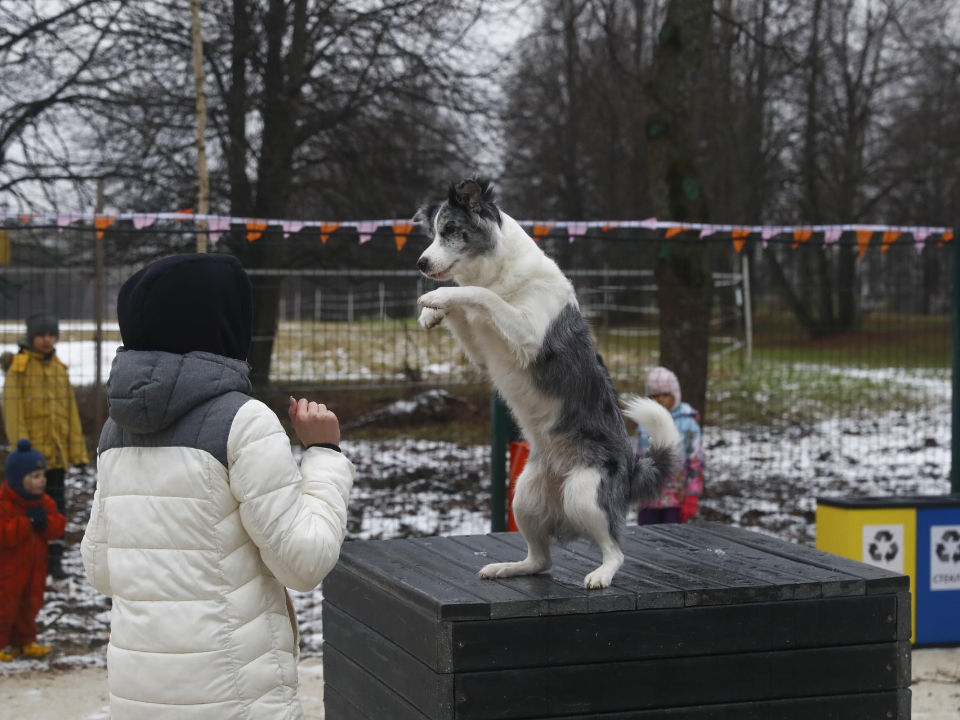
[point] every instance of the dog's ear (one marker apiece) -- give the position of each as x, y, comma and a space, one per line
425, 214
475, 195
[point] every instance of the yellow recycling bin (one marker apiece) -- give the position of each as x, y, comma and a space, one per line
876, 531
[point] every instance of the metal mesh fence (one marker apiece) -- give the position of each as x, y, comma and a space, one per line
829, 373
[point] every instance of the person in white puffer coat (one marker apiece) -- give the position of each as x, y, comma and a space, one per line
201, 516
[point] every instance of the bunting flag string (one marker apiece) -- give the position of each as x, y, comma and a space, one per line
540, 229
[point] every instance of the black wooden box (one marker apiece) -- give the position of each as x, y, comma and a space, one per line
704, 622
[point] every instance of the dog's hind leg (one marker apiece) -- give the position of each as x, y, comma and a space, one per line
529, 510
584, 513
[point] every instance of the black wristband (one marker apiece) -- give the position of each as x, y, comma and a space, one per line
328, 446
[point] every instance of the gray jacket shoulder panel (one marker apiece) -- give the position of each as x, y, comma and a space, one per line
206, 427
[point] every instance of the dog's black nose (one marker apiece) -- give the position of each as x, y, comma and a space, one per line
423, 264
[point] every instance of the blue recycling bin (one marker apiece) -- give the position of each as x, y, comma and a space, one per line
938, 570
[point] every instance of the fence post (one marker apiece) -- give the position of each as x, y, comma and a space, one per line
99, 283
955, 400
747, 308
498, 464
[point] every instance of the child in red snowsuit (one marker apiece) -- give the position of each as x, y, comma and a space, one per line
29, 520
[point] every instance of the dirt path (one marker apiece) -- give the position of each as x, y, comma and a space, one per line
82, 694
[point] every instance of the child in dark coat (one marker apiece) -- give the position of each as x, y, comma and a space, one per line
29, 520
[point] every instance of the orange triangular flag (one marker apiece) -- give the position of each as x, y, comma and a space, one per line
863, 239
541, 230
889, 237
401, 230
188, 211
739, 238
255, 229
102, 222
25, 219
326, 229
672, 232
947, 237
801, 235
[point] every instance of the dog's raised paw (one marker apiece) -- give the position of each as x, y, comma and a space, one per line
430, 318
439, 299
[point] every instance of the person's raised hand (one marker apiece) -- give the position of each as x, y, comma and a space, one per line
313, 423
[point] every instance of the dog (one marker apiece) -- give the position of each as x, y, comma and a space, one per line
516, 317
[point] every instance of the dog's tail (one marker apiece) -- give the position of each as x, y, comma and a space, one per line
652, 472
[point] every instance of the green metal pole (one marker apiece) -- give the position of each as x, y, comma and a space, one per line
498, 464
955, 432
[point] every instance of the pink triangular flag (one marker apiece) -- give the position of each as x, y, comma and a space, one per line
291, 227
576, 229
707, 231
649, 224
920, 239
832, 235
64, 220
767, 234
366, 228
217, 226
141, 221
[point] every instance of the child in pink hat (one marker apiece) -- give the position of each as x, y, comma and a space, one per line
681, 494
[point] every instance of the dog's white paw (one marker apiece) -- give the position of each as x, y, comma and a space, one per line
440, 299
598, 579
509, 569
430, 318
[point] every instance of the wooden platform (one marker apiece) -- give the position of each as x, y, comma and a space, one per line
704, 622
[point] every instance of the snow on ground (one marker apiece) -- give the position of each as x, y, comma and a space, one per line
765, 478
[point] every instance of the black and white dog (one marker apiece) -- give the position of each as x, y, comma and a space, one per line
516, 316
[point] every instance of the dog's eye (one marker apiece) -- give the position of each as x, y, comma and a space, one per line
449, 229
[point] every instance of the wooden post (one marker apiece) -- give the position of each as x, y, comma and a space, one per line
498, 464
203, 200
98, 292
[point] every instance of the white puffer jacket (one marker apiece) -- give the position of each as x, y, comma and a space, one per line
200, 519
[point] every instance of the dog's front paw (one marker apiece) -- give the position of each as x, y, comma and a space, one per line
441, 299
598, 579
430, 318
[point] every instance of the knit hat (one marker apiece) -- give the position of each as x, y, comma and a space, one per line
20, 463
188, 303
661, 381
41, 323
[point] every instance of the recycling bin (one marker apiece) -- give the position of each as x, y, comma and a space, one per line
918, 536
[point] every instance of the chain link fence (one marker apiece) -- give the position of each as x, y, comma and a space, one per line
829, 373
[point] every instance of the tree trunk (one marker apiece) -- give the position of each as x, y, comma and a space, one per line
847, 288
282, 85
683, 271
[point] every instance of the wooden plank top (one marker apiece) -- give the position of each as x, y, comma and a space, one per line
665, 567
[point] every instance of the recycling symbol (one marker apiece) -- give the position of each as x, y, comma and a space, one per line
883, 548
949, 542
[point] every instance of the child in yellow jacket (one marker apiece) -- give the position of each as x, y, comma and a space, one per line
39, 404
